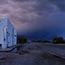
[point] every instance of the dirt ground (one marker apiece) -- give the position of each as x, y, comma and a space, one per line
30, 59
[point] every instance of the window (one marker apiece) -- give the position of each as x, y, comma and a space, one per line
15, 35
0, 45
4, 39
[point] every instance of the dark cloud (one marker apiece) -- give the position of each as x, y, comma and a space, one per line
59, 3
29, 16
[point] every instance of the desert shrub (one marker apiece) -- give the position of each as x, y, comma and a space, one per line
21, 39
58, 40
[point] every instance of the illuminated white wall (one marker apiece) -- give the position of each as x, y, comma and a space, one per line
7, 33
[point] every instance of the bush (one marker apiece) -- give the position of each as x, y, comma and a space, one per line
21, 39
58, 40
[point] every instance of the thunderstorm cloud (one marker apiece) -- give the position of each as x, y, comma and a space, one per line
46, 17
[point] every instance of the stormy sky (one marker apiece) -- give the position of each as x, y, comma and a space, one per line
37, 19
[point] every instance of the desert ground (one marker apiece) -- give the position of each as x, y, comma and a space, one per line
30, 54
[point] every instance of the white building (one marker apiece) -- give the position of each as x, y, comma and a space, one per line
7, 33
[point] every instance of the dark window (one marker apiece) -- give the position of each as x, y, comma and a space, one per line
15, 35
8, 33
0, 45
4, 39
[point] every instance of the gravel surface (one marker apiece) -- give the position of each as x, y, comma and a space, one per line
30, 59
30, 55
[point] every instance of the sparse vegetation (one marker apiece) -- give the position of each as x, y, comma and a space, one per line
57, 40
21, 39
